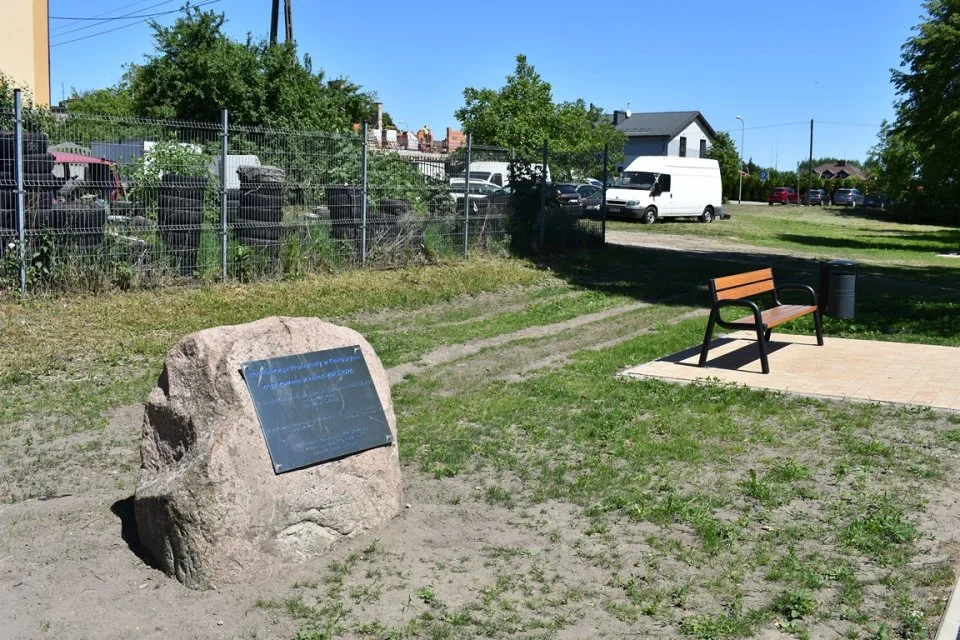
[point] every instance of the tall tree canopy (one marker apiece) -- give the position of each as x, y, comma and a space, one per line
522, 115
197, 69
928, 115
724, 151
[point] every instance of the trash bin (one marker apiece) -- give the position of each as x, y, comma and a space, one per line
838, 288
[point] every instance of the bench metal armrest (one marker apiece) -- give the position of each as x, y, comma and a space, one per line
794, 287
749, 304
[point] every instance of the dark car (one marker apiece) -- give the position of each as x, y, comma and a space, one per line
818, 197
848, 198
783, 195
876, 201
590, 198
568, 198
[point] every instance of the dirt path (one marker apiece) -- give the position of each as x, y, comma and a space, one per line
697, 244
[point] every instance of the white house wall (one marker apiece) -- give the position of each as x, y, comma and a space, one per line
694, 133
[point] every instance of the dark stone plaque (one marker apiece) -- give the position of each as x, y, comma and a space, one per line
316, 406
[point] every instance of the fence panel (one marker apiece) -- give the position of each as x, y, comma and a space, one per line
125, 202
574, 219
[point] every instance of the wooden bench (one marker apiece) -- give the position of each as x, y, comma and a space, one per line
736, 291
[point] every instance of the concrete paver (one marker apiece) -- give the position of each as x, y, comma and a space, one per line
916, 374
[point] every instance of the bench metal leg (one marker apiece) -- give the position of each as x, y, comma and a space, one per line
762, 345
767, 334
818, 323
707, 337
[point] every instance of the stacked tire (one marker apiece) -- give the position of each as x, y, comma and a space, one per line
344, 206
77, 227
258, 220
40, 185
180, 218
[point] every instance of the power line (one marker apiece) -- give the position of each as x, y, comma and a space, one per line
125, 26
850, 124
768, 126
106, 20
129, 17
106, 13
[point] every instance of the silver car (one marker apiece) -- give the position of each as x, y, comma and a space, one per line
848, 198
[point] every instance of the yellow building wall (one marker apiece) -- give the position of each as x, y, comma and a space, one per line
25, 46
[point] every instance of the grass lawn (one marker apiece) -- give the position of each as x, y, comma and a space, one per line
702, 511
826, 232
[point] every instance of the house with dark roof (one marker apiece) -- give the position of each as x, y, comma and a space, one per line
839, 170
667, 133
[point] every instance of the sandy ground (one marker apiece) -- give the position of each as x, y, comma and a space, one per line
70, 566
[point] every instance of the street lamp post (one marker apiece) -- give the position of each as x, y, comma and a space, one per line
740, 190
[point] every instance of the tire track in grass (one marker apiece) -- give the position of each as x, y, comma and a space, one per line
563, 358
451, 353
515, 356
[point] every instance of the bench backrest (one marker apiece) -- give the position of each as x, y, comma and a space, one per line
742, 285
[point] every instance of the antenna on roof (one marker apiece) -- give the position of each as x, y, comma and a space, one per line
628, 110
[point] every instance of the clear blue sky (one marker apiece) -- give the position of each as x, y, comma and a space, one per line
777, 64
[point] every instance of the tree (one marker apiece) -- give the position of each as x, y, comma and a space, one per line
928, 111
895, 163
112, 101
724, 151
522, 115
802, 164
197, 70
7, 85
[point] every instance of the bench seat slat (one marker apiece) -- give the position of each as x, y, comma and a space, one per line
777, 315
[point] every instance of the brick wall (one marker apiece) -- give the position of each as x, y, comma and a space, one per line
455, 140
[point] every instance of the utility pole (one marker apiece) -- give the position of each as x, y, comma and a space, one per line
810, 164
274, 20
288, 19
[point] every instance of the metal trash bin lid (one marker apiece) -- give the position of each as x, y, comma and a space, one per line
842, 266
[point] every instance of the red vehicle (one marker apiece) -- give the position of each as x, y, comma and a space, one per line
91, 173
783, 195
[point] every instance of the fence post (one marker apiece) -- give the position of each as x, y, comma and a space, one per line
18, 176
224, 133
466, 198
542, 213
603, 199
363, 198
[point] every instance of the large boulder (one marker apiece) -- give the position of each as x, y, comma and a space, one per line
209, 507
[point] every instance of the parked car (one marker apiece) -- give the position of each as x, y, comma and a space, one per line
848, 197
783, 195
480, 191
818, 197
568, 198
876, 201
590, 197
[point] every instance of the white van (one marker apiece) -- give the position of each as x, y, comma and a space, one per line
496, 172
653, 187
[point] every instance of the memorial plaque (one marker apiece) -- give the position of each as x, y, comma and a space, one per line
315, 407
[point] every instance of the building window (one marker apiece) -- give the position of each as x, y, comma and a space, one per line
703, 148
683, 147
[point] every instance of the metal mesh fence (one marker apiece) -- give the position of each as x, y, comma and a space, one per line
124, 202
